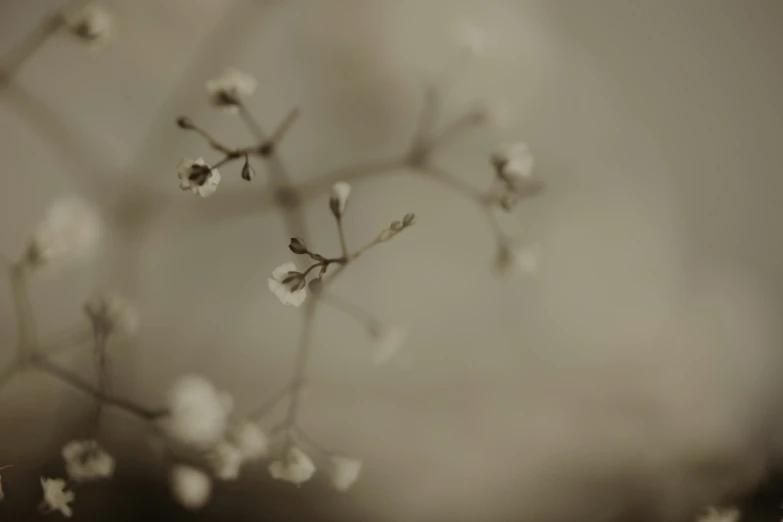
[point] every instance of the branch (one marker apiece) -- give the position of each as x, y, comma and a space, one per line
78, 383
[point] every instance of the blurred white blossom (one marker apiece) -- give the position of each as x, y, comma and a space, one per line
191, 486
343, 471
198, 412
198, 177
513, 162
249, 440
339, 199
289, 288
295, 467
517, 261
93, 25
55, 497
227, 90
69, 233
716, 514
225, 460
114, 313
388, 340
85, 460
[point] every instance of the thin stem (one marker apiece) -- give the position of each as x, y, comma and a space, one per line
252, 124
455, 183
284, 125
25, 49
66, 341
355, 311
25, 316
300, 363
321, 182
428, 117
101, 369
78, 383
270, 403
341, 232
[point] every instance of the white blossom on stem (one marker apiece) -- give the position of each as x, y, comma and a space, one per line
85, 461
191, 487
93, 25
114, 313
387, 340
295, 467
343, 471
716, 514
291, 289
249, 440
55, 497
513, 162
339, 199
225, 460
198, 177
227, 90
198, 412
69, 233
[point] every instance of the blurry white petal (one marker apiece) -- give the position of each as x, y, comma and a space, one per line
191, 487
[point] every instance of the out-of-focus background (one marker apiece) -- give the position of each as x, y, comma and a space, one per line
634, 376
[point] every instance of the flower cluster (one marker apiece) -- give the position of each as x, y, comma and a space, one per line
514, 166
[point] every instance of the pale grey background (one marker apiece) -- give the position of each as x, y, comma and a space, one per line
638, 368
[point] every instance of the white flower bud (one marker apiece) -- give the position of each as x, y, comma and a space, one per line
198, 413
227, 90
191, 487
340, 193
290, 289
343, 472
296, 467
86, 461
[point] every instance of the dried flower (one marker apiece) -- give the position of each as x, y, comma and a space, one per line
513, 162
388, 341
114, 313
715, 514
85, 461
198, 413
340, 193
288, 284
513, 261
227, 90
93, 25
191, 486
225, 460
55, 497
69, 233
343, 471
297, 467
198, 177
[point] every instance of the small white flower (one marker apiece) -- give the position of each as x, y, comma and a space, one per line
289, 288
69, 233
343, 472
198, 177
518, 261
339, 199
191, 486
715, 514
85, 460
297, 467
388, 341
93, 25
514, 162
249, 440
198, 413
114, 312
227, 90
225, 460
56, 498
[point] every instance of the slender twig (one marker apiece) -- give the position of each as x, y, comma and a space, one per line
300, 363
355, 311
261, 411
24, 312
341, 232
78, 383
101, 368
